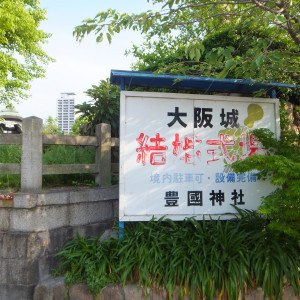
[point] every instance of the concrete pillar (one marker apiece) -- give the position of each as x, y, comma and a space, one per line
32, 154
103, 154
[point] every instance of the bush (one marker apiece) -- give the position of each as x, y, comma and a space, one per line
282, 168
206, 258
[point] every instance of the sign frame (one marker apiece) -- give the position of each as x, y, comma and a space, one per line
169, 97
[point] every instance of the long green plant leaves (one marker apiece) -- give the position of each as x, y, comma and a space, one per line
197, 258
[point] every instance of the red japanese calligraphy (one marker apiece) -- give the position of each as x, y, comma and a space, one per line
223, 141
177, 145
249, 147
158, 157
187, 146
188, 149
213, 153
143, 149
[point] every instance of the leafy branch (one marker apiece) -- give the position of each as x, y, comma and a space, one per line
282, 168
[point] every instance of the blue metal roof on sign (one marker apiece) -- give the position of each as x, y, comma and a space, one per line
150, 80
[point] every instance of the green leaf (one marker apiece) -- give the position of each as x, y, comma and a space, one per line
197, 54
259, 60
192, 53
227, 53
99, 38
229, 64
108, 37
253, 65
281, 19
88, 20
276, 58
223, 73
212, 56
201, 47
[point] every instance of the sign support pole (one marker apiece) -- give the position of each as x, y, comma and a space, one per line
121, 229
121, 224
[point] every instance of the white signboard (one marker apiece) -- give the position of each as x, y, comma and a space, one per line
176, 151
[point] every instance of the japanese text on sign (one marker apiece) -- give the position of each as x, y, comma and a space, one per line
177, 151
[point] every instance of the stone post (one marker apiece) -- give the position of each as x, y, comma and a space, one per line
32, 154
103, 154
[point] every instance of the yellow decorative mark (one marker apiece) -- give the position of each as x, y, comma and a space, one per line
255, 113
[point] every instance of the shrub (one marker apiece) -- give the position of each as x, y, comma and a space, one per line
204, 258
282, 168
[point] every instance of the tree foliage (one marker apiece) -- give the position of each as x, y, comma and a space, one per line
51, 126
266, 32
169, 55
21, 54
79, 124
103, 108
282, 168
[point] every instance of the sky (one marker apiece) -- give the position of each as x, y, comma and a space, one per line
78, 66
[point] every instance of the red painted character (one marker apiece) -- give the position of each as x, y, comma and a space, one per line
223, 141
188, 144
249, 147
158, 157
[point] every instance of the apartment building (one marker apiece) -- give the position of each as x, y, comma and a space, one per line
65, 111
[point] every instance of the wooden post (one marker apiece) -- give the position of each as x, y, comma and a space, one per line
103, 154
32, 155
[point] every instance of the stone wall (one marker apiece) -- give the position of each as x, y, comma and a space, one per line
33, 227
55, 289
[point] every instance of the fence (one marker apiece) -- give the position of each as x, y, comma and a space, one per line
32, 140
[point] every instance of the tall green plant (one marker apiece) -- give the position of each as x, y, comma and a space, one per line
282, 168
51, 126
10, 154
202, 258
103, 108
51, 155
68, 155
89, 260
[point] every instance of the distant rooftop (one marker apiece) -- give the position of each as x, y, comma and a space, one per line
10, 113
150, 80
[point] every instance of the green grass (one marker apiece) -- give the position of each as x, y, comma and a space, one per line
10, 154
205, 259
51, 155
68, 155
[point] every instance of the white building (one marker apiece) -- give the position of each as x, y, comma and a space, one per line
65, 111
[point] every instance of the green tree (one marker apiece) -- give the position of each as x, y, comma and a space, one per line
282, 168
21, 54
79, 125
277, 23
103, 108
51, 126
168, 55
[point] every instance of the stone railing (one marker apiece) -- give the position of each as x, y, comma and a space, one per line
36, 223
32, 140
